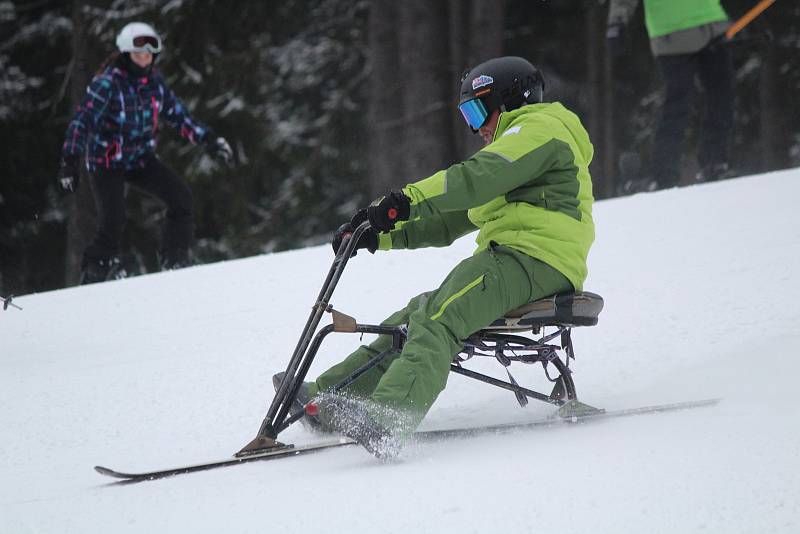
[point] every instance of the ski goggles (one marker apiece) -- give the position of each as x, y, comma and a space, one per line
474, 113
148, 43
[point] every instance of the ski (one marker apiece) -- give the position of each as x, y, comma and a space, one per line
560, 418
570, 413
283, 452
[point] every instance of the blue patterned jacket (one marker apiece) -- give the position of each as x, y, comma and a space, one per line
115, 126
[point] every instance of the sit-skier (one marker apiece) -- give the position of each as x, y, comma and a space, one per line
529, 194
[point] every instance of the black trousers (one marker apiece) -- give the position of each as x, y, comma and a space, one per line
155, 178
713, 68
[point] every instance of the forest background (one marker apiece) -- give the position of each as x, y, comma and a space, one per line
328, 103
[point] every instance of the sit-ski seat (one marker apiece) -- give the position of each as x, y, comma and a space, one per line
565, 309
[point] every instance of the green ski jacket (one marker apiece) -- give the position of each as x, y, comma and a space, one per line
667, 16
529, 189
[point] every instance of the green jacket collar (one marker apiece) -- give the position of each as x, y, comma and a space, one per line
508, 117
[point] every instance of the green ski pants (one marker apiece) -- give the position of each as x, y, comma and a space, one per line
477, 292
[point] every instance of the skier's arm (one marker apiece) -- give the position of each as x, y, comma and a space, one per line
91, 108
509, 163
436, 231
177, 116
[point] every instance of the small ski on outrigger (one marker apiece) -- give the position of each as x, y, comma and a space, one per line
510, 339
561, 417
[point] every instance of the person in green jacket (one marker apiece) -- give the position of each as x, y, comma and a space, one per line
686, 38
528, 193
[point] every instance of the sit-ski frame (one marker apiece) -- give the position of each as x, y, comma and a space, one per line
506, 348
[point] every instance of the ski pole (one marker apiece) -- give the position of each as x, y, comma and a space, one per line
7, 302
747, 18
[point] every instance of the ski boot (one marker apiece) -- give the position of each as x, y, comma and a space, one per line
713, 172
311, 423
633, 186
101, 270
176, 259
351, 418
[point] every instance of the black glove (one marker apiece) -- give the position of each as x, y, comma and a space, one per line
615, 39
68, 176
385, 211
368, 240
218, 148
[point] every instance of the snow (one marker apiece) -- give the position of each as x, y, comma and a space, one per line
174, 368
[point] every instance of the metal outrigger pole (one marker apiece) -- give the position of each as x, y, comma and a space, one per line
300, 362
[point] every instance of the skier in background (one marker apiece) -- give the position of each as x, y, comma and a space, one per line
528, 192
686, 40
113, 133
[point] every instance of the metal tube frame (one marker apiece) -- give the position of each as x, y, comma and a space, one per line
301, 358
278, 419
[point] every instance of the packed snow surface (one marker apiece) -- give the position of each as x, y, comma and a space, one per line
702, 301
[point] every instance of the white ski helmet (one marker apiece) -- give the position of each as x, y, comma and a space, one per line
138, 37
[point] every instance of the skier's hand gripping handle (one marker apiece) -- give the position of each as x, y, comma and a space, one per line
388, 210
368, 238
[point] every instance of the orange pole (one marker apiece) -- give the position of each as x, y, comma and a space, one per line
747, 18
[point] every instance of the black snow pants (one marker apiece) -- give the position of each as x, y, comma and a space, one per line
155, 178
713, 68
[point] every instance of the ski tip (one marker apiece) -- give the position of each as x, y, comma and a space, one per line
109, 472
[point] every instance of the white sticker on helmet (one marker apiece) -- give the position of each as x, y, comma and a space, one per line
482, 81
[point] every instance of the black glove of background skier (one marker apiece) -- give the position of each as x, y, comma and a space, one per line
68, 176
386, 211
218, 148
368, 240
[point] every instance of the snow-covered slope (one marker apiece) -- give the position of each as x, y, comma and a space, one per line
701, 301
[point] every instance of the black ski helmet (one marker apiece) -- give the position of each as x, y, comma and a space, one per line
504, 83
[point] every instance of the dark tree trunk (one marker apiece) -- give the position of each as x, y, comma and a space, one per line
385, 97
486, 30
427, 88
81, 204
418, 51
476, 34
460, 60
772, 132
600, 88
486, 27
609, 145
594, 94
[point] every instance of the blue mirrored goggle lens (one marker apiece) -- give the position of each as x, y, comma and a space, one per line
474, 113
